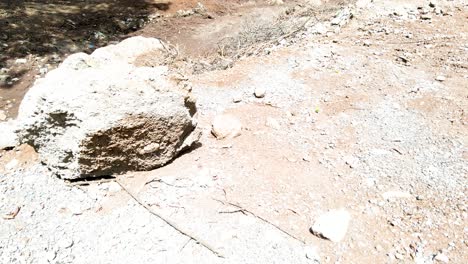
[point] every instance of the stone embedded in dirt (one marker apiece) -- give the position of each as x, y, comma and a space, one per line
260, 92
441, 257
114, 187
4, 79
351, 161
237, 99
21, 61
65, 242
2, 115
396, 194
100, 114
440, 78
226, 126
312, 254
11, 165
273, 123
426, 17
319, 28
332, 225
8, 138
276, 2
342, 18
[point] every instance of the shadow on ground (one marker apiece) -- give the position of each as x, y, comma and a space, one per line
45, 27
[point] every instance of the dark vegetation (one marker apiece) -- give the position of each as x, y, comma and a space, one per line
59, 27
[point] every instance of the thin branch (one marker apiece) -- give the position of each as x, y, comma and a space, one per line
242, 209
169, 222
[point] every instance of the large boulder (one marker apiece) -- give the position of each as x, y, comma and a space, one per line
99, 114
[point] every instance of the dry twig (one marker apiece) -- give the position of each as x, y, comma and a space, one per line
169, 222
243, 210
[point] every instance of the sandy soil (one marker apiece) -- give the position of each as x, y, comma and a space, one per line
355, 117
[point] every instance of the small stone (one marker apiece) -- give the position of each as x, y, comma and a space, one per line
440, 257
12, 164
431, 4
65, 243
4, 79
75, 208
396, 194
276, 2
332, 225
440, 78
426, 17
438, 11
226, 126
114, 187
2, 115
43, 70
8, 138
351, 161
273, 123
21, 61
237, 99
312, 254
150, 148
320, 29
259, 92
367, 43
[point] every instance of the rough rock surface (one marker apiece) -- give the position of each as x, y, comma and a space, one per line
99, 114
332, 225
8, 137
226, 126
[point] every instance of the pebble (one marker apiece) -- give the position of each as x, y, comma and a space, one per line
237, 99
43, 70
398, 256
21, 61
440, 257
351, 161
150, 148
396, 194
226, 126
114, 187
332, 225
320, 29
260, 92
273, 123
75, 209
4, 78
312, 254
65, 243
12, 164
426, 17
440, 78
2, 115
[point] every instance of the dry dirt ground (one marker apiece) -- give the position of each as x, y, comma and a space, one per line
369, 117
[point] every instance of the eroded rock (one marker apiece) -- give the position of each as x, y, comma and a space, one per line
332, 225
226, 126
99, 114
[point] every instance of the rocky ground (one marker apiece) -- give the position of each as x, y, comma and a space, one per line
352, 149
